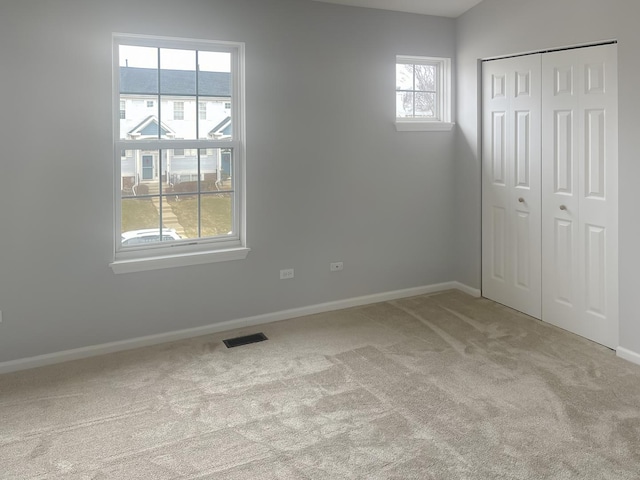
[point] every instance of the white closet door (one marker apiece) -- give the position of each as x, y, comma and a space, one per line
511, 235
579, 192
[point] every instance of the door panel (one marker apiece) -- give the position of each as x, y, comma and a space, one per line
511, 183
549, 179
579, 204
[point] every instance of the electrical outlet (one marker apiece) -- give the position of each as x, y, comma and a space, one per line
286, 274
336, 266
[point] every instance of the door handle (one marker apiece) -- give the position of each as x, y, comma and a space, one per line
563, 207
521, 200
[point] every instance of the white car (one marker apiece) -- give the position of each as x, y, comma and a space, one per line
149, 235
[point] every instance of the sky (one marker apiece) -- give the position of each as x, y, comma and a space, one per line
170, 59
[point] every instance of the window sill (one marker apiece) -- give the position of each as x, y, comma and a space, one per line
424, 126
180, 260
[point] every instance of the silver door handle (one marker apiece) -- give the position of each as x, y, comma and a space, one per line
563, 207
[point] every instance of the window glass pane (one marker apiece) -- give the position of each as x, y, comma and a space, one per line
184, 210
172, 228
216, 216
178, 117
182, 170
214, 84
217, 124
177, 72
404, 104
139, 214
425, 105
425, 77
404, 76
216, 166
140, 57
138, 79
140, 172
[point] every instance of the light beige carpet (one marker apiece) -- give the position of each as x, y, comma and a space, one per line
433, 387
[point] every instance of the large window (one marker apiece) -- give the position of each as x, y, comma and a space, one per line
179, 187
423, 93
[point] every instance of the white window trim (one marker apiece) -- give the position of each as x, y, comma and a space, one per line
189, 251
444, 97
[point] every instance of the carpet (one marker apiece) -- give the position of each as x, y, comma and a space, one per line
442, 386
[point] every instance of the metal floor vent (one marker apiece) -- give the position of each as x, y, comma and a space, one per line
246, 340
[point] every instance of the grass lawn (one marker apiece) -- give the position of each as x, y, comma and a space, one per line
138, 214
215, 215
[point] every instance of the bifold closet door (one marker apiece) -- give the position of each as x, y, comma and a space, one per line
511, 183
579, 192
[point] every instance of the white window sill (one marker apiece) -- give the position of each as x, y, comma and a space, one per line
424, 126
179, 260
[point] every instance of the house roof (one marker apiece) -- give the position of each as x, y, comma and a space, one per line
144, 81
149, 128
223, 128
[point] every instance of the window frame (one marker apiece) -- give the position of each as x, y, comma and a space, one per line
178, 109
202, 110
196, 250
443, 121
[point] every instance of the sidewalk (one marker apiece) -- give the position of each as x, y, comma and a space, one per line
169, 220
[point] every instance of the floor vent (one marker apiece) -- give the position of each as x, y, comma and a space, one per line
246, 340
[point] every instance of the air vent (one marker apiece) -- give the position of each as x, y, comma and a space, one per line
246, 340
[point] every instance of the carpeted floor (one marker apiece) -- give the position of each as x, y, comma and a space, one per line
438, 387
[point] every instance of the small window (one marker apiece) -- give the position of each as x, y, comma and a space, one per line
123, 109
227, 105
150, 104
202, 110
178, 110
423, 90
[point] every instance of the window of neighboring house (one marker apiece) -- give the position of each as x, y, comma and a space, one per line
423, 93
172, 209
178, 110
150, 104
123, 109
227, 105
202, 110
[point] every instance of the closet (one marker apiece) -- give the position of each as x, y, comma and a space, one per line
549, 188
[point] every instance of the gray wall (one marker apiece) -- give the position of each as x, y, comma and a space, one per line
329, 178
499, 27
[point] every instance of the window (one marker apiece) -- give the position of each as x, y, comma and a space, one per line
423, 93
178, 110
123, 109
180, 196
227, 105
202, 110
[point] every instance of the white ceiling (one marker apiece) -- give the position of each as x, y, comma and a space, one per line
441, 8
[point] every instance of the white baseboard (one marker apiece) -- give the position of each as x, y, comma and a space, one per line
629, 355
94, 350
474, 292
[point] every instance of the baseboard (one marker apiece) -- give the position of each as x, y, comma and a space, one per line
629, 355
112, 347
474, 292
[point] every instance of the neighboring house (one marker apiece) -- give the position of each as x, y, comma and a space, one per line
177, 115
